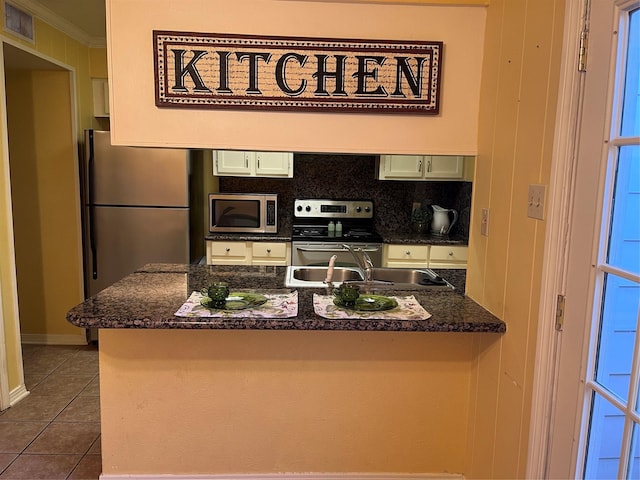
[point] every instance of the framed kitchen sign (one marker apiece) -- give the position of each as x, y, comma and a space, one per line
208, 70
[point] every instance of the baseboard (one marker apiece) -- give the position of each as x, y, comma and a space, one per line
53, 339
17, 394
294, 476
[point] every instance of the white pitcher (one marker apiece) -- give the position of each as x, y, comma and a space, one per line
441, 223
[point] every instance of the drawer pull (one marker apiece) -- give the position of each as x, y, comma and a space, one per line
268, 250
451, 254
407, 253
227, 249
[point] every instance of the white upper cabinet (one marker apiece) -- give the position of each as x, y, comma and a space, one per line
100, 97
444, 166
402, 167
274, 164
423, 167
252, 164
227, 162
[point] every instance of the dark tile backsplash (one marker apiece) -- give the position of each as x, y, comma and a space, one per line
354, 177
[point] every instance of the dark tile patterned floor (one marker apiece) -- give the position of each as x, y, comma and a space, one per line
54, 433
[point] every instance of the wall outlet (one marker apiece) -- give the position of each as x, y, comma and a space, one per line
484, 222
535, 202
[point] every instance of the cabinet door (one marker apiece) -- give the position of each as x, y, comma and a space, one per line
270, 253
444, 166
448, 256
228, 253
406, 256
228, 162
401, 166
100, 97
274, 164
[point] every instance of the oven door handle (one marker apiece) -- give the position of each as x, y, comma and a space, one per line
311, 249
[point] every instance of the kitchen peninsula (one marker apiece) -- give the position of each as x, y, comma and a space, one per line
191, 396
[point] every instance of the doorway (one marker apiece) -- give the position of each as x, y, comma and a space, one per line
44, 208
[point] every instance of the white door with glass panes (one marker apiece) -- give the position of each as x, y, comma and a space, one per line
595, 420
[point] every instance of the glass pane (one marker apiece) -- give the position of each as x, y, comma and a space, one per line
619, 318
634, 458
631, 106
624, 239
605, 440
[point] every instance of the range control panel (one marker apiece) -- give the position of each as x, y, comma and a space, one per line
314, 208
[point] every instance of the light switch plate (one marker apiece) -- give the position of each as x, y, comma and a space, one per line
484, 222
535, 202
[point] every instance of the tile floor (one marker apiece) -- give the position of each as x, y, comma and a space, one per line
54, 433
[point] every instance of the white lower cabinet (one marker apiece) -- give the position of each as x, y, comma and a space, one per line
424, 256
271, 253
248, 253
228, 253
405, 256
447, 256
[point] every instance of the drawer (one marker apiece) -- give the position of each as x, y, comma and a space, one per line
227, 253
408, 253
271, 252
443, 253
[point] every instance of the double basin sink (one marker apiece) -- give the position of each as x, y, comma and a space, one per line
381, 278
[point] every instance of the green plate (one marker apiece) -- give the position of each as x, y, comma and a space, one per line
369, 303
237, 301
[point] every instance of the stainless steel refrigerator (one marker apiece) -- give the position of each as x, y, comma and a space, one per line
136, 209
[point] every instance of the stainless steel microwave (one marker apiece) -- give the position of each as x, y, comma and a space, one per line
243, 212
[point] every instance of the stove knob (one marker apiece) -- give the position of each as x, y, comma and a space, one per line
358, 209
367, 209
308, 208
299, 208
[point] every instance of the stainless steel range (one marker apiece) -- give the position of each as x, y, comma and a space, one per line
321, 228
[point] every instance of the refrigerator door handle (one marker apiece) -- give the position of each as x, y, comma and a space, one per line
92, 229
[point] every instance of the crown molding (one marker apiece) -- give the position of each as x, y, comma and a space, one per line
41, 12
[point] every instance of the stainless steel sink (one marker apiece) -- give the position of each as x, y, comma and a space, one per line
382, 278
424, 277
307, 274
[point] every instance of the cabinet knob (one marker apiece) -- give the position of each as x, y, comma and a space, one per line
268, 250
407, 253
451, 254
227, 249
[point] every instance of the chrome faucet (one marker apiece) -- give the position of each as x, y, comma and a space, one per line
364, 262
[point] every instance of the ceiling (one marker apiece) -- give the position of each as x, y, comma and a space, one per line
83, 20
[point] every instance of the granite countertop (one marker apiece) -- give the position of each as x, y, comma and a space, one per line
249, 237
402, 238
409, 238
149, 297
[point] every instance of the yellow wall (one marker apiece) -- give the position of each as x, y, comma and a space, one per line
517, 119
135, 119
44, 199
226, 402
53, 45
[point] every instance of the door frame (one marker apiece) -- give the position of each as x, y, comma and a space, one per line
9, 397
560, 206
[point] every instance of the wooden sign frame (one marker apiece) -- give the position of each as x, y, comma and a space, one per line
210, 70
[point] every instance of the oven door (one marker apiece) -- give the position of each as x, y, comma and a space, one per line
319, 253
